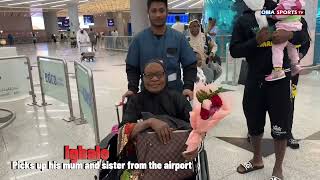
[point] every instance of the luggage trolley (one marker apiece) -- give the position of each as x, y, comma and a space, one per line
86, 52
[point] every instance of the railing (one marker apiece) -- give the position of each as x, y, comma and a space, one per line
317, 49
122, 43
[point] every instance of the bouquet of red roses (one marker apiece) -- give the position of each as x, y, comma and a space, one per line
210, 106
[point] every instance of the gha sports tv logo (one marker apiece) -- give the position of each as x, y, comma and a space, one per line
283, 12
85, 154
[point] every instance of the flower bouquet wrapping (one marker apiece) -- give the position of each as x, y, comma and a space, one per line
210, 106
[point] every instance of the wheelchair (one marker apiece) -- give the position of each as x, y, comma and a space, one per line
200, 163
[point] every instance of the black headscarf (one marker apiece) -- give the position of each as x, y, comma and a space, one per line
157, 61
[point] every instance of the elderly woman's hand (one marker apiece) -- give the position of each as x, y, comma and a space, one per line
162, 129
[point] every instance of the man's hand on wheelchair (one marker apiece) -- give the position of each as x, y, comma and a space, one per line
127, 94
188, 93
162, 129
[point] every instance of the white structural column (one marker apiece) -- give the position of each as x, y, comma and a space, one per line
311, 14
73, 16
50, 22
120, 23
139, 15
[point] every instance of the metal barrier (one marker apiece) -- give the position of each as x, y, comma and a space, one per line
222, 41
121, 43
54, 81
15, 91
8, 119
86, 97
317, 49
235, 74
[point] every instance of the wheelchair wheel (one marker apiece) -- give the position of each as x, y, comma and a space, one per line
204, 165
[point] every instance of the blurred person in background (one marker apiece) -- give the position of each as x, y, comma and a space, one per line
203, 44
10, 39
93, 39
178, 25
212, 28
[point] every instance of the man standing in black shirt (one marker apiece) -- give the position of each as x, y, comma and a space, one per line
252, 38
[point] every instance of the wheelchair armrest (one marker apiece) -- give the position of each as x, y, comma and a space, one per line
107, 140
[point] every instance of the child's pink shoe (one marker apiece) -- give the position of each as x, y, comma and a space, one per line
276, 75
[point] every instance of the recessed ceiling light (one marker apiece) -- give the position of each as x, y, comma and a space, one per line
58, 5
26, 2
185, 2
55, 2
201, 1
173, 2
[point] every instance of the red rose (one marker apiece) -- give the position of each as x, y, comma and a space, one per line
205, 114
216, 101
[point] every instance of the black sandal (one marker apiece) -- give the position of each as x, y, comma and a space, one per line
275, 178
248, 167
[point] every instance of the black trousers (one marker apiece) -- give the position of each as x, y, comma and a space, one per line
294, 81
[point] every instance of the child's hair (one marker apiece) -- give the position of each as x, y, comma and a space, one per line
151, 1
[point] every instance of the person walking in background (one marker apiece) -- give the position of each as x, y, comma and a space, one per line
178, 25
115, 33
54, 38
212, 28
161, 42
205, 46
10, 39
93, 40
82, 39
34, 38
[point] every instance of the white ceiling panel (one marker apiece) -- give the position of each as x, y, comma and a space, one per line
93, 6
45, 4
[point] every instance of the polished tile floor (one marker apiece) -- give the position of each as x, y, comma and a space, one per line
38, 134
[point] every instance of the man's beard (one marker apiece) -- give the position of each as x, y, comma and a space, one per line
158, 25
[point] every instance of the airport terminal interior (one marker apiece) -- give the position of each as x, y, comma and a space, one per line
43, 58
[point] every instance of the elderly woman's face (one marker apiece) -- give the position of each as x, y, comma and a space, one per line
154, 78
194, 28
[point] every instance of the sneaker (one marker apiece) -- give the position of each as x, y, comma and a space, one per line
293, 143
295, 69
276, 75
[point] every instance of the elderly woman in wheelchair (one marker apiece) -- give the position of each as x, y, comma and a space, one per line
155, 109
161, 110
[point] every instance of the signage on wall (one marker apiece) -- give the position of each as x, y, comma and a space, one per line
110, 22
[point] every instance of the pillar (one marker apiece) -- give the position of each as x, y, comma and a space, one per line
311, 10
120, 23
50, 22
139, 15
73, 17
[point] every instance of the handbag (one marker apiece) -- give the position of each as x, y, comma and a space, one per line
150, 149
